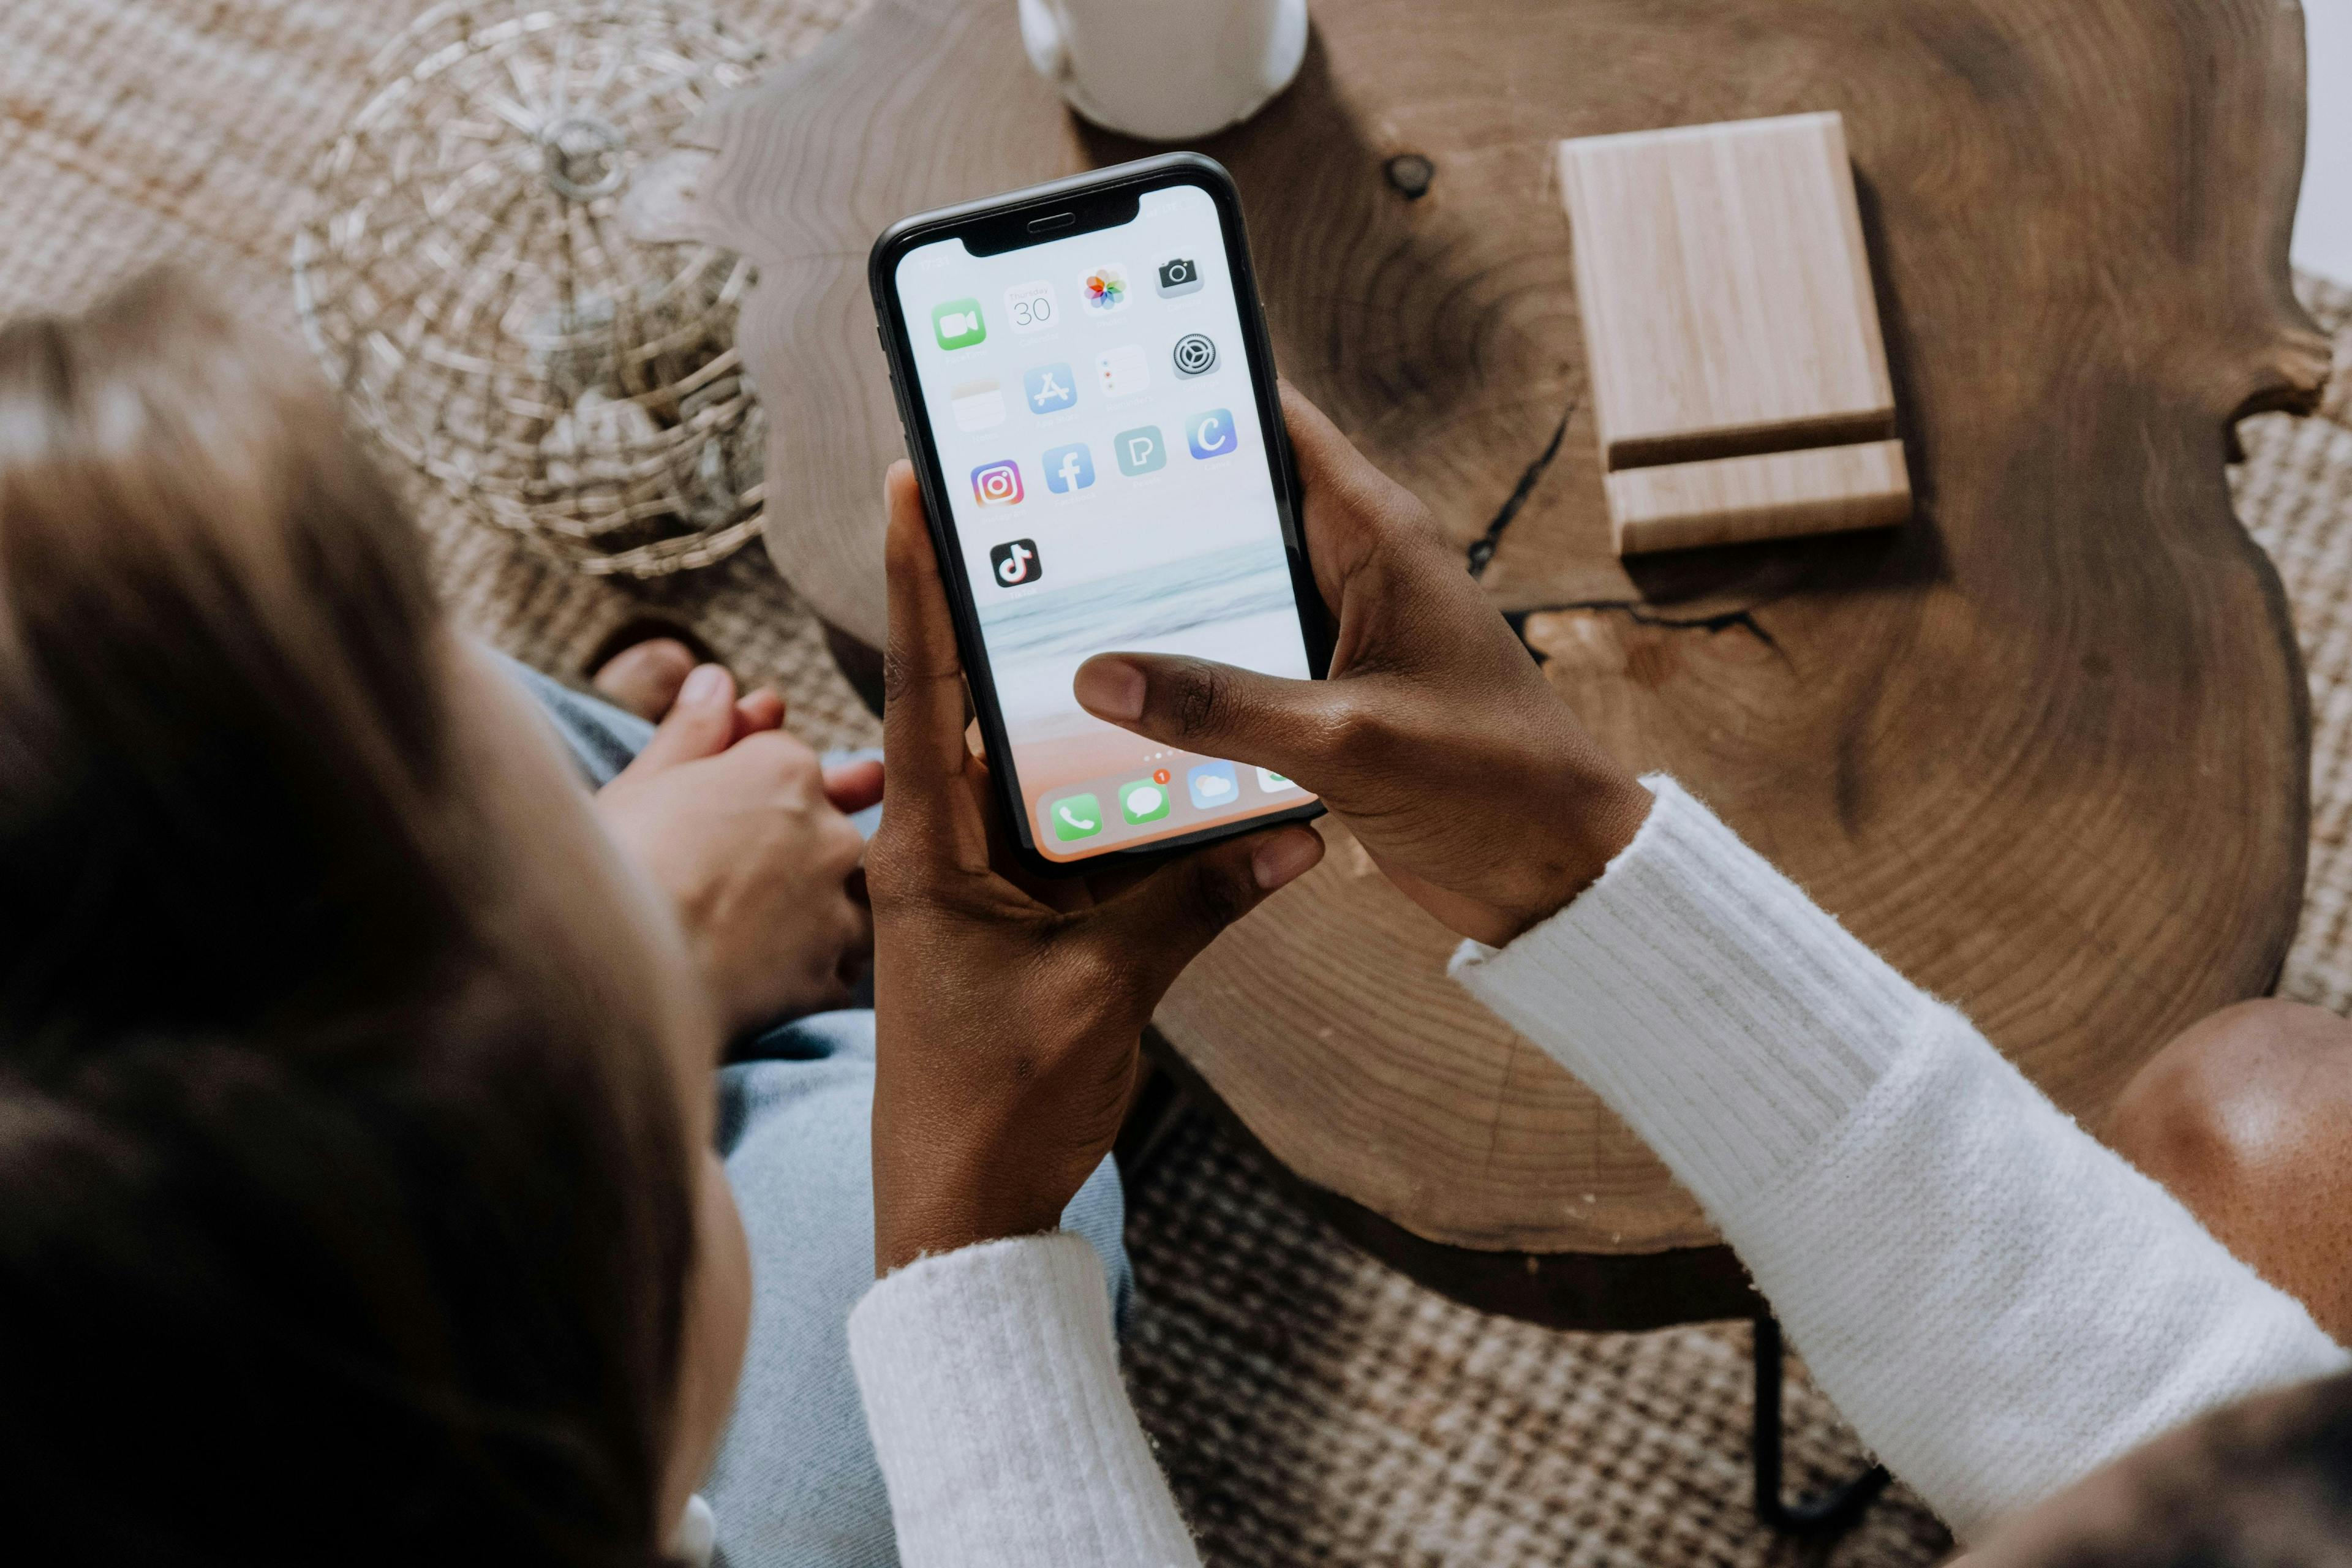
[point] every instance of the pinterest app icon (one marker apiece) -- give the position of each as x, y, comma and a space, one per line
997, 484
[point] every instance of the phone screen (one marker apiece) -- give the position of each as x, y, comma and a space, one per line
1111, 487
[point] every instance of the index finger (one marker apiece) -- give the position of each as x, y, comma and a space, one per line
922, 677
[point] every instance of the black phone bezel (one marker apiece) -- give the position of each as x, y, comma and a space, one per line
1078, 205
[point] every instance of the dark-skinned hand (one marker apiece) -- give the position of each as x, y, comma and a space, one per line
1008, 1011
1436, 740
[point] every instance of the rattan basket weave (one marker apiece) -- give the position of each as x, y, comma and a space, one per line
470, 281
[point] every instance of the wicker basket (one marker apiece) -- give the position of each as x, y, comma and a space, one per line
470, 284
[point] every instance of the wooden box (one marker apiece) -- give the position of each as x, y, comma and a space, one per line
1738, 379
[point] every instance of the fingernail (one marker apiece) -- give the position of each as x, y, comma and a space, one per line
1284, 859
1109, 689
706, 683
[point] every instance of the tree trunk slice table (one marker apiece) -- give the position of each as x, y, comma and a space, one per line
2043, 747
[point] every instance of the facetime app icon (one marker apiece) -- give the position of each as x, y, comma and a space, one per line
957, 324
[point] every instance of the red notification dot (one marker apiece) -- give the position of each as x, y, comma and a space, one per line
1159, 776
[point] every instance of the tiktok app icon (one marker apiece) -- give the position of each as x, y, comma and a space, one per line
1017, 563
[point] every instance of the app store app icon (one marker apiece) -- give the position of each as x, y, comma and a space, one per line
1140, 450
1050, 389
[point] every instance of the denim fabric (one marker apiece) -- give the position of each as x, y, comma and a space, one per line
796, 1483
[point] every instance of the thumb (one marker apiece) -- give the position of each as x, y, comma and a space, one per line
700, 723
1161, 923
1214, 709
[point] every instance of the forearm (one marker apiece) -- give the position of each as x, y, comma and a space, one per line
991, 1383
1998, 1302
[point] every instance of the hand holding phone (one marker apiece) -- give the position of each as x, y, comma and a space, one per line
1090, 400
1008, 1008
1436, 739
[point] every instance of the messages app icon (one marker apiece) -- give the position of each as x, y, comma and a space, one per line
1140, 450
1143, 800
958, 325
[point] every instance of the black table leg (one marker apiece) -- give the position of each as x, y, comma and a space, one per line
1834, 1512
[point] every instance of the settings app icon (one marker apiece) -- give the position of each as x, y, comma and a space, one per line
1195, 354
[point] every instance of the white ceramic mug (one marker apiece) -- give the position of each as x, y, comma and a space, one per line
1166, 71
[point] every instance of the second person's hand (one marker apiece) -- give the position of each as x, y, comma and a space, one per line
1436, 739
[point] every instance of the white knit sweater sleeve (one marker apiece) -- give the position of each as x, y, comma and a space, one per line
992, 1387
1996, 1301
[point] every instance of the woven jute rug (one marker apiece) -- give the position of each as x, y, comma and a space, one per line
1310, 1406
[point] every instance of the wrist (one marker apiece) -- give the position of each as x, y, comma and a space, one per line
1602, 814
905, 1229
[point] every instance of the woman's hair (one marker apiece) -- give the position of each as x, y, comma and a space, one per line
345, 1205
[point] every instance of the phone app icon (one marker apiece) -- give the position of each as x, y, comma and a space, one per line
1015, 563
1273, 783
1124, 370
1030, 306
1140, 450
1196, 354
1213, 785
1211, 434
958, 325
1050, 389
1143, 800
1070, 467
1076, 816
997, 483
1179, 275
977, 404
1106, 288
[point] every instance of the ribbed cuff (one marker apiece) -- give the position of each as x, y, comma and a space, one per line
991, 1386
1705, 998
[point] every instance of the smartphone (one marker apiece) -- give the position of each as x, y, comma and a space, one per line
1088, 395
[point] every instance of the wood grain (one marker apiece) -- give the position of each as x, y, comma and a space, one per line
2043, 746
1723, 290
1726, 500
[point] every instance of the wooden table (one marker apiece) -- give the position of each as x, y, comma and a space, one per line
2044, 747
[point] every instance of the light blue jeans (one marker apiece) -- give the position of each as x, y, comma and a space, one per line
797, 1482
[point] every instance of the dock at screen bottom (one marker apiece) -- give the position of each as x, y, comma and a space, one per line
1161, 802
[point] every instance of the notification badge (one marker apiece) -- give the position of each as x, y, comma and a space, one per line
997, 483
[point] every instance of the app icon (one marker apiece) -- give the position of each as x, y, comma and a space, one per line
1017, 563
1273, 783
1213, 785
1030, 306
1050, 389
1178, 275
1106, 288
1195, 354
1140, 450
997, 483
1124, 370
1076, 817
1070, 467
958, 324
1211, 434
977, 404
1143, 801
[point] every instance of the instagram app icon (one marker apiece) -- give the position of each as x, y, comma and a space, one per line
996, 484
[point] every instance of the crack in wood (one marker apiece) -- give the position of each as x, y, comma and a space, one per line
1482, 549
1640, 615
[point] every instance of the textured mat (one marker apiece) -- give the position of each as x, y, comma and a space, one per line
1311, 1406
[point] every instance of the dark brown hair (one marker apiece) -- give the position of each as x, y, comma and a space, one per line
344, 1209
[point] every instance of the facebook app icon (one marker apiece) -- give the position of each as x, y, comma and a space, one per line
1070, 469
1050, 389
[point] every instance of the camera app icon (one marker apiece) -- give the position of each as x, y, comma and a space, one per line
997, 483
1179, 275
